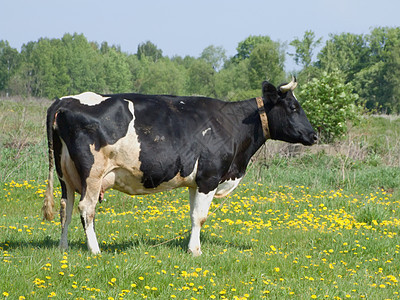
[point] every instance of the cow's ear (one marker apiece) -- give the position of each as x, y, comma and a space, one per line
270, 92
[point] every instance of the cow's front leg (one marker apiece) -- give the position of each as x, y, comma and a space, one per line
87, 208
199, 205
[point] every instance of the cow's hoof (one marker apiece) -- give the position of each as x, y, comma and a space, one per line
195, 252
63, 247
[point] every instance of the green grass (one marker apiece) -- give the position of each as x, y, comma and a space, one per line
311, 226
280, 242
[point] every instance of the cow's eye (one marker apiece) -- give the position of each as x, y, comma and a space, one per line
293, 107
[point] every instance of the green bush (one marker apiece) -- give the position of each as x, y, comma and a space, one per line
330, 104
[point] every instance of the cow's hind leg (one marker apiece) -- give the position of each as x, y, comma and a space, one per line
87, 208
199, 205
66, 207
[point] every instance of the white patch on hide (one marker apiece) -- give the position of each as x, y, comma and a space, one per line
88, 98
205, 131
227, 187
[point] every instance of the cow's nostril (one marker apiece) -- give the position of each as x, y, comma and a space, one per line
315, 137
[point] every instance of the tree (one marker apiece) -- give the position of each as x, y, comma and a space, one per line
42, 72
304, 48
84, 64
246, 47
304, 51
118, 77
50, 61
329, 103
368, 83
9, 61
24, 79
200, 78
266, 62
392, 76
232, 82
163, 77
150, 51
215, 56
378, 82
385, 44
345, 52
138, 69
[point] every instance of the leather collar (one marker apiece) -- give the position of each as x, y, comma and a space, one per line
263, 117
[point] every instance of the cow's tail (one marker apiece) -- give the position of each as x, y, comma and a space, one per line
48, 203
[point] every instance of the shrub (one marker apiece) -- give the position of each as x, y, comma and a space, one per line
330, 104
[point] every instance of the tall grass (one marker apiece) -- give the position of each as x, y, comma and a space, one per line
23, 143
315, 223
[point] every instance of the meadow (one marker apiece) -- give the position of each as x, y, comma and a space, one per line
306, 223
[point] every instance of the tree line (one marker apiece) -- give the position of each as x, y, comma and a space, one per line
368, 63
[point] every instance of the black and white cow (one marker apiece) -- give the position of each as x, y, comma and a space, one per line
141, 144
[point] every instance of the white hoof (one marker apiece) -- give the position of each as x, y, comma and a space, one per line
195, 252
95, 251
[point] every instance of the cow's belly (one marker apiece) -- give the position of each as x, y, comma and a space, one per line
128, 182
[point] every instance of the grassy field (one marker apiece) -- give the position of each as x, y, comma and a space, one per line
320, 223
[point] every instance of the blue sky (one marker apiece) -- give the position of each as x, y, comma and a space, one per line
182, 28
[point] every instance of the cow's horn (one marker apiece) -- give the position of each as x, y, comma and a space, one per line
290, 86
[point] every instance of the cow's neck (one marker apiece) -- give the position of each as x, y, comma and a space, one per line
249, 132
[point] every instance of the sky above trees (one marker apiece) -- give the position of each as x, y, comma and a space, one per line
187, 27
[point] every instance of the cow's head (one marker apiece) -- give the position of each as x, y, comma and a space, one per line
286, 119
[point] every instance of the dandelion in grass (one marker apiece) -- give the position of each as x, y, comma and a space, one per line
112, 281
